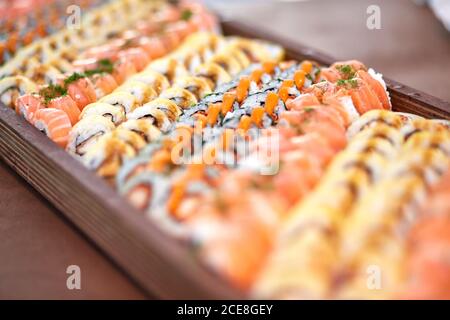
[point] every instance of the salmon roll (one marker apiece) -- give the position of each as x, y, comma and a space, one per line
114, 113
104, 83
125, 100
123, 69
13, 87
183, 98
199, 87
66, 104
54, 123
81, 91
141, 91
153, 46
27, 106
137, 56
86, 133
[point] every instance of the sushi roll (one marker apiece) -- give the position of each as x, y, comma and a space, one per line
81, 90
417, 125
13, 87
54, 123
27, 106
66, 104
130, 137
183, 98
375, 116
125, 100
154, 79
199, 87
141, 91
214, 74
114, 113
170, 68
151, 113
143, 127
228, 63
104, 83
107, 155
86, 133
170, 109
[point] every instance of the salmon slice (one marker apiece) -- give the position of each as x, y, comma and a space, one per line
103, 84
153, 46
123, 70
82, 92
137, 56
54, 123
66, 104
377, 87
364, 98
27, 106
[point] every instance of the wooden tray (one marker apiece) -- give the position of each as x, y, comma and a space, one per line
162, 266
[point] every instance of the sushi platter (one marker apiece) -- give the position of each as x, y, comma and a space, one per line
211, 160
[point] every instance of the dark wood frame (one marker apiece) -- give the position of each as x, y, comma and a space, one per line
162, 266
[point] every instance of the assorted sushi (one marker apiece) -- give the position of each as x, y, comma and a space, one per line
290, 179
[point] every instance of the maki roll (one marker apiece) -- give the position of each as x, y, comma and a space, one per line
183, 98
151, 113
125, 100
13, 87
86, 133
143, 127
153, 79
214, 74
114, 113
140, 90
54, 123
170, 68
199, 87
107, 155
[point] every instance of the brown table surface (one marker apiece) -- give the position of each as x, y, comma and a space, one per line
37, 243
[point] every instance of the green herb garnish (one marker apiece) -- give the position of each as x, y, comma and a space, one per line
346, 71
74, 77
186, 15
51, 92
352, 83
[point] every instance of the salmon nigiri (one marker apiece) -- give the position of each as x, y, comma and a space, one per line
81, 91
123, 70
104, 83
27, 106
66, 104
137, 56
153, 46
54, 123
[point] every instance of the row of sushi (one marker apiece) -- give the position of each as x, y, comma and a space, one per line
358, 216
117, 20
334, 209
229, 211
289, 179
65, 98
153, 100
22, 22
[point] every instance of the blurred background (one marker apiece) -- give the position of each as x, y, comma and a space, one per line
412, 46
